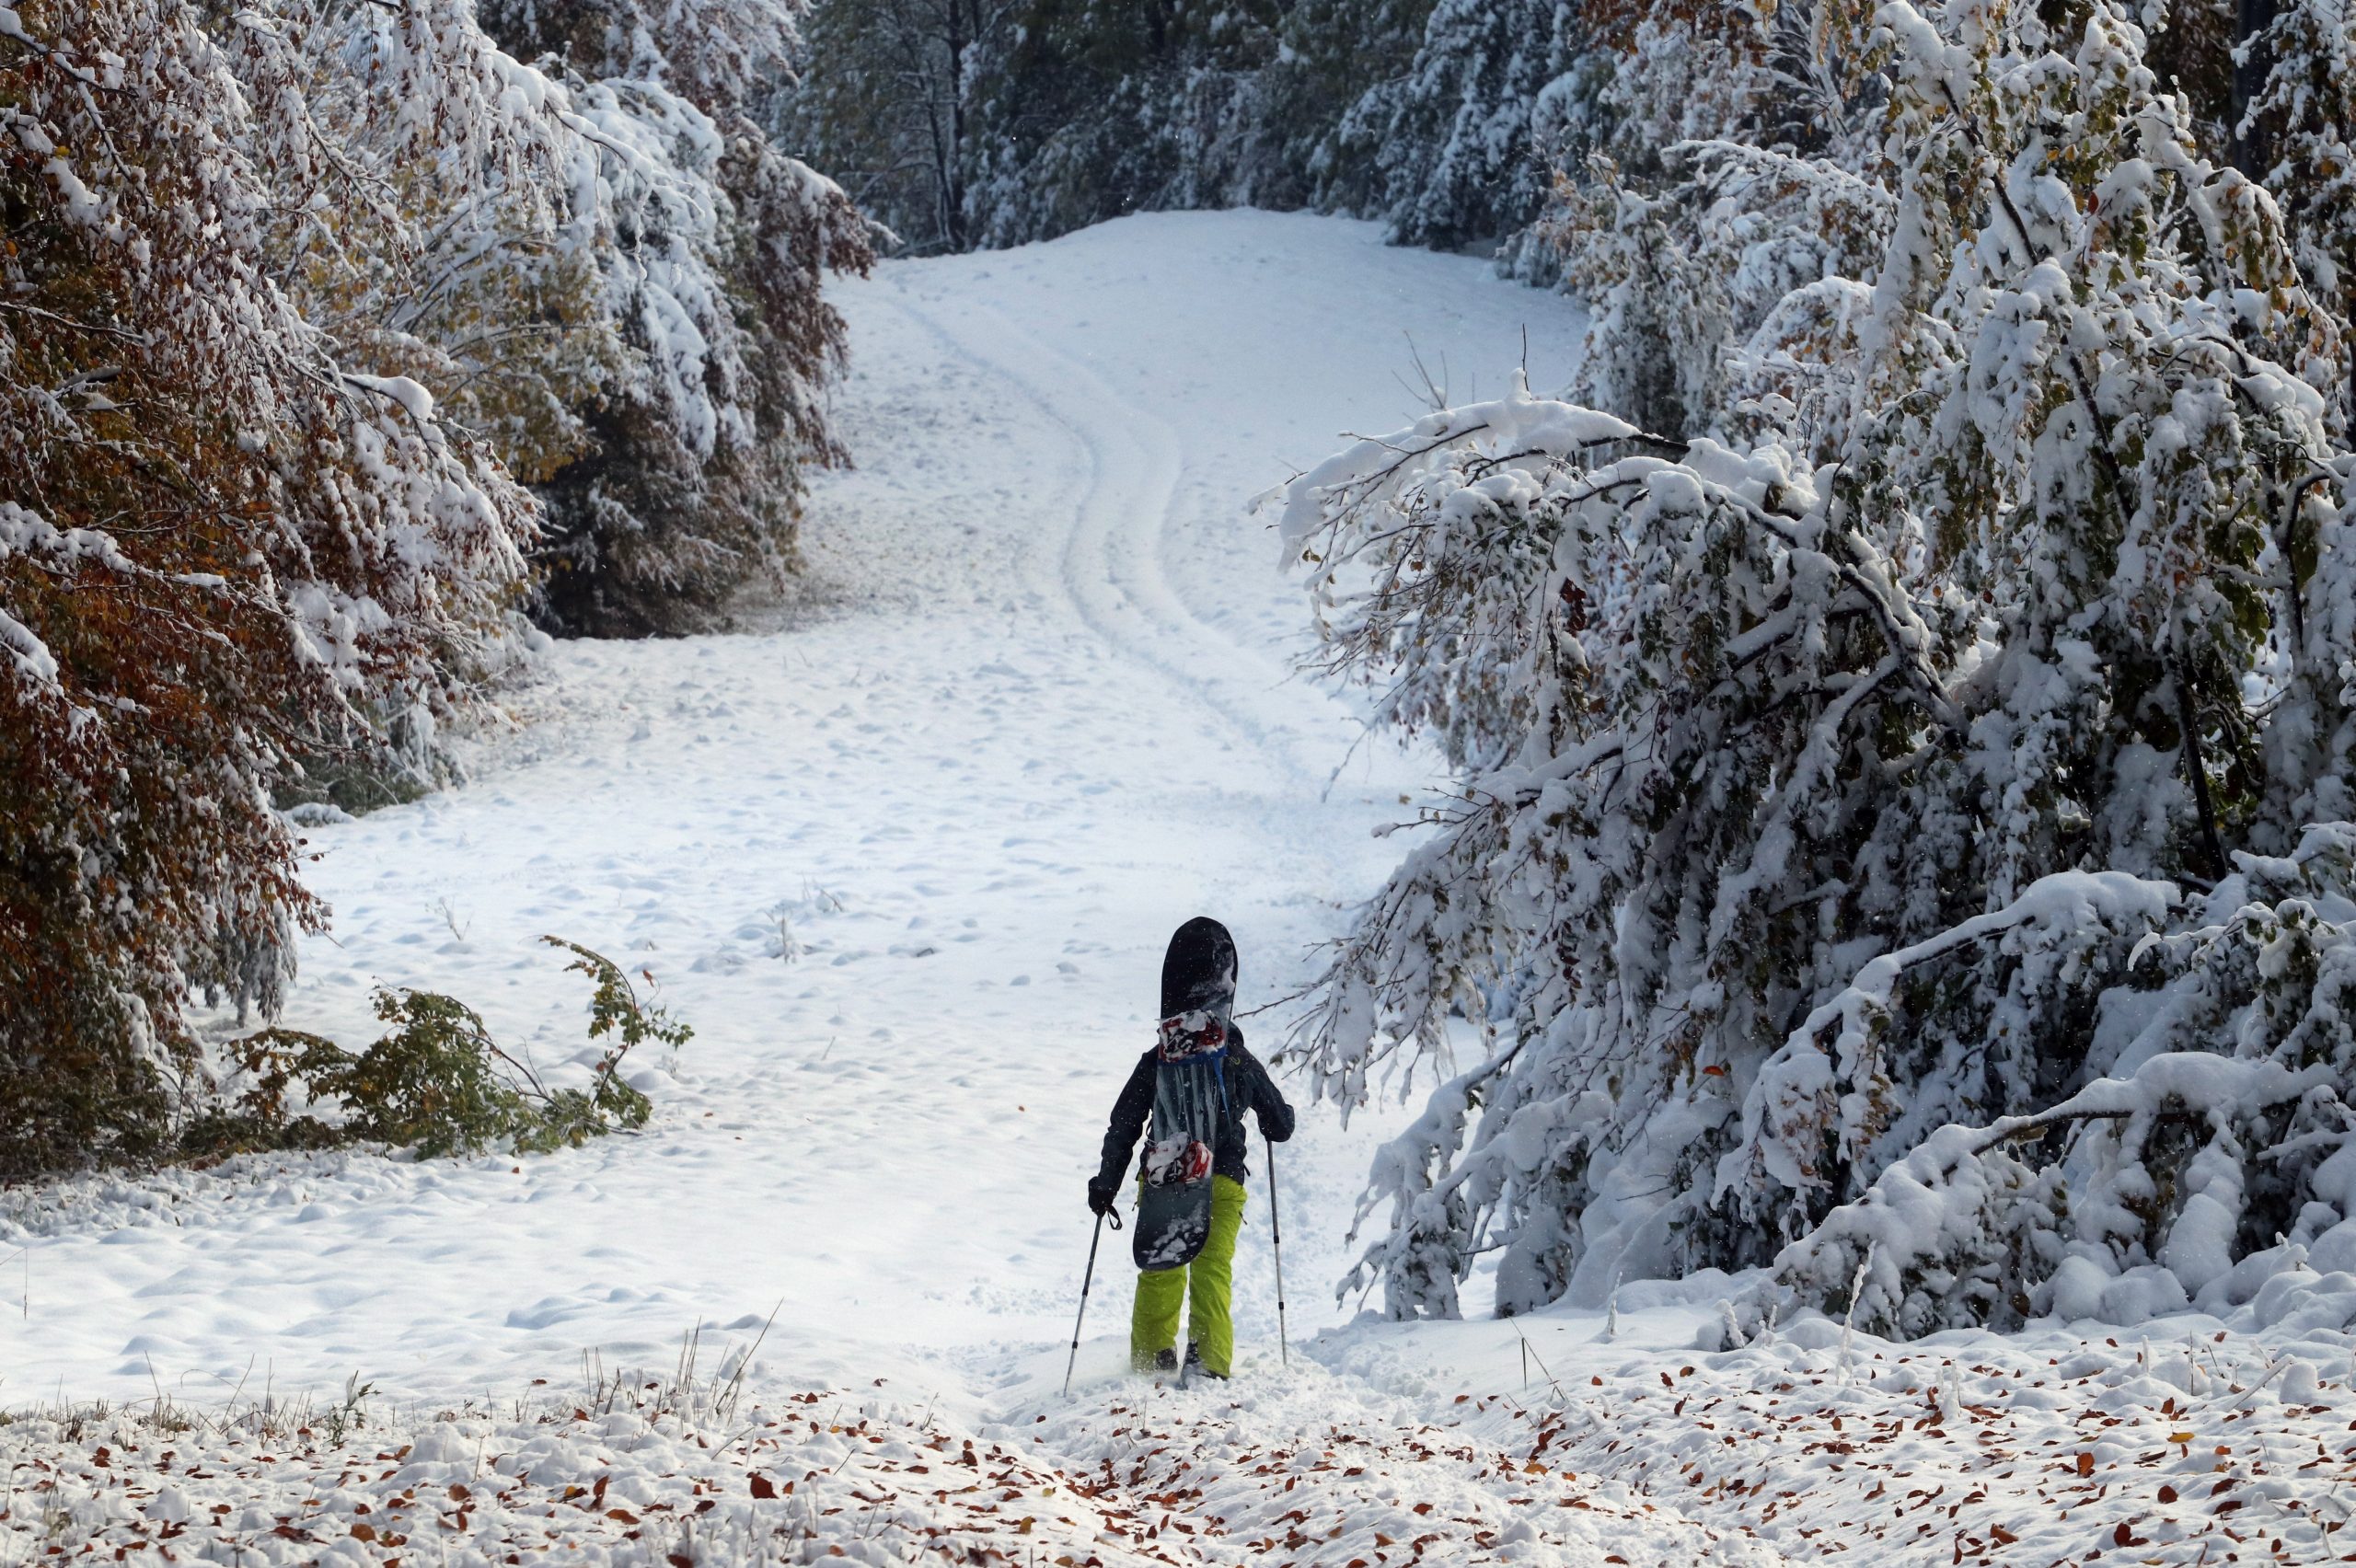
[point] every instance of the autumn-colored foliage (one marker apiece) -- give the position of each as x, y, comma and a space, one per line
296, 298
221, 551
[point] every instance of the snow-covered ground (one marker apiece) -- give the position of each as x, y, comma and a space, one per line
906, 864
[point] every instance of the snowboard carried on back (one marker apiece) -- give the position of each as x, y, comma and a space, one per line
1189, 1106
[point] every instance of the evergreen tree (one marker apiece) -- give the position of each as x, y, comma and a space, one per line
1450, 140
2302, 122
889, 107
1333, 55
961, 122
1094, 109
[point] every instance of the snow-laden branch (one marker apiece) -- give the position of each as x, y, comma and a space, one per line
1814, 776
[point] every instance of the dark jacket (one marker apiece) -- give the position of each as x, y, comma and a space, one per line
1248, 1087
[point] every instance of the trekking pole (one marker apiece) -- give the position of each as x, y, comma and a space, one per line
1085, 1280
1276, 1240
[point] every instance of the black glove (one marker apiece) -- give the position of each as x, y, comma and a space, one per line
1100, 1197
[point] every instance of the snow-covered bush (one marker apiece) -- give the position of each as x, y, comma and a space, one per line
2211, 1147
1816, 792
703, 248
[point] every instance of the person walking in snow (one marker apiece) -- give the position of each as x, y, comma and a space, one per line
1197, 1027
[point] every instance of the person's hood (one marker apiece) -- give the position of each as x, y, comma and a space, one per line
1198, 972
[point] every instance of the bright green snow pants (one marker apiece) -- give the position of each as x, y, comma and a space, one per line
1203, 1288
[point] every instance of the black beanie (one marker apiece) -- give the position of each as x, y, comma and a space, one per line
1198, 972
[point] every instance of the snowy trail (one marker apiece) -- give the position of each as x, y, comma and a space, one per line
906, 864
1047, 714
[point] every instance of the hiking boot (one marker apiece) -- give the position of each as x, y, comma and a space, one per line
1165, 1360
1195, 1368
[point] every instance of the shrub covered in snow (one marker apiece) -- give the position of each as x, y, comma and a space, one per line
704, 247
1958, 737
2207, 1151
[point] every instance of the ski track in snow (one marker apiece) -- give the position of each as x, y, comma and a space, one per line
907, 863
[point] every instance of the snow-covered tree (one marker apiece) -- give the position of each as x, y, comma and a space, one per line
1001, 121
292, 296
1814, 792
2304, 120
606, 265
1710, 168
1090, 108
889, 107
437, 214
223, 548
1449, 140
724, 56
1333, 57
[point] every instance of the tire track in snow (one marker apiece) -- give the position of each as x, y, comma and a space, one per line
1121, 593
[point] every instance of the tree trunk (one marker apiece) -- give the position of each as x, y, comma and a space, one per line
953, 174
2249, 81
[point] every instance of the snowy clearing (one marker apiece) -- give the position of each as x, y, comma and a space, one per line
906, 866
